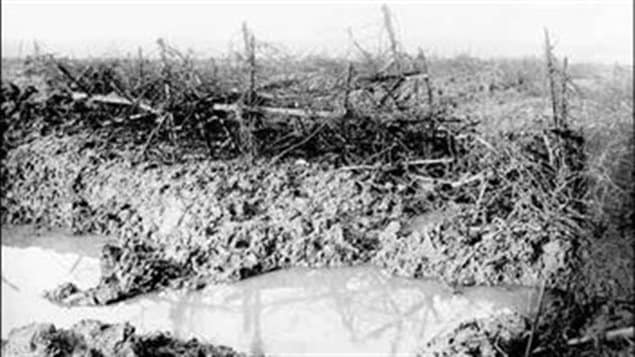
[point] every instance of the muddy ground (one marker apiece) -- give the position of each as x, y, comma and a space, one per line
93, 338
188, 225
223, 221
526, 219
485, 337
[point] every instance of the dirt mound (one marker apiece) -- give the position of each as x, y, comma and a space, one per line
93, 338
224, 221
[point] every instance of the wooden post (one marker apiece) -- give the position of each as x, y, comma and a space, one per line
426, 78
550, 77
563, 97
245, 124
72, 78
394, 45
250, 57
141, 73
348, 111
166, 70
367, 55
214, 68
167, 89
534, 325
349, 78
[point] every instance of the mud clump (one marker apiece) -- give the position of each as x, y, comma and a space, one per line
127, 271
93, 338
501, 335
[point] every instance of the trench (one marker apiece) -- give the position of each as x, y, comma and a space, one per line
350, 310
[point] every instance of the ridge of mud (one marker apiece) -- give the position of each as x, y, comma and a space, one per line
210, 221
93, 338
480, 337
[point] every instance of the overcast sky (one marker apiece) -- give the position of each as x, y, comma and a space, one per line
600, 30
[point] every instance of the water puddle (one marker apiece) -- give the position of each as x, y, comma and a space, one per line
357, 310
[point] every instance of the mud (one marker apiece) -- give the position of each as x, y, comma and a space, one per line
496, 336
191, 223
205, 221
125, 272
499, 336
93, 338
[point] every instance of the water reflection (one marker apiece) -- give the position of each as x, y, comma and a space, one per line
358, 310
345, 310
61, 241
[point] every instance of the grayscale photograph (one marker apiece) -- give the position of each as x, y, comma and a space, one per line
317, 178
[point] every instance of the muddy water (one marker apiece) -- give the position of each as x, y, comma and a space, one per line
358, 310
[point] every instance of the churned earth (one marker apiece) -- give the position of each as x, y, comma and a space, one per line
517, 206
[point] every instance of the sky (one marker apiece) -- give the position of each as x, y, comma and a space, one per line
583, 30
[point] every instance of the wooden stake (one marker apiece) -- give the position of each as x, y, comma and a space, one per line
72, 78
369, 57
214, 68
301, 113
297, 145
387, 77
623, 332
250, 55
152, 134
141, 73
426, 78
349, 78
563, 96
550, 76
536, 319
245, 124
611, 335
394, 45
